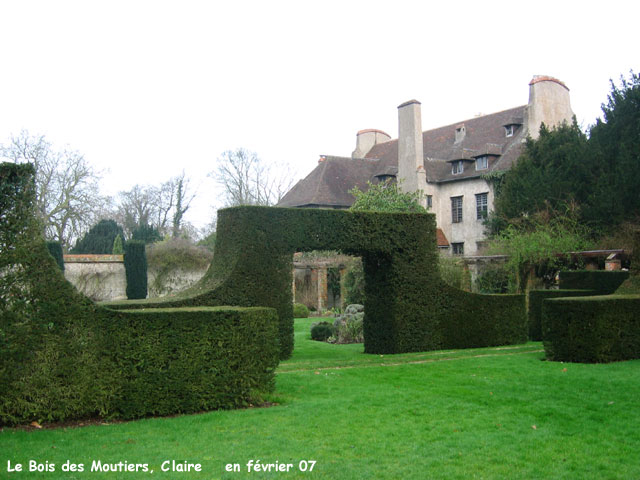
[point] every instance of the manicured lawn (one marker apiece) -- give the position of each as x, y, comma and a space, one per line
483, 413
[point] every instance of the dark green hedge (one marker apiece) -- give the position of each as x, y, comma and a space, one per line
55, 249
601, 282
407, 306
63, 357
135, 264
592, 329
536, 298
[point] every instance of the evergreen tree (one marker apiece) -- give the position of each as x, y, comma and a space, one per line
553, 171
99, 239
118, 249
135, 264
147, 234
615, 145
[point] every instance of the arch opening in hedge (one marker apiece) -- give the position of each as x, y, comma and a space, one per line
407, 307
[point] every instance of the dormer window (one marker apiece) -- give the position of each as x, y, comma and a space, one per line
482, 162
385, 179
509, 130
457, 167
460, 133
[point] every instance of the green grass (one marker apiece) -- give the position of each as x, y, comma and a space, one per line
449, 414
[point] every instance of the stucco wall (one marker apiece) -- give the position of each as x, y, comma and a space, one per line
470, 230
99, 277
103, 278
172, 282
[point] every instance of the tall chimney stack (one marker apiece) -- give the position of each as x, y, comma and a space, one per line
411, 173
549, 103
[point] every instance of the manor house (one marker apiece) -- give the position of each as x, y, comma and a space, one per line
452, 165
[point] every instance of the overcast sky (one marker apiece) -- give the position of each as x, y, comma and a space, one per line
145, 89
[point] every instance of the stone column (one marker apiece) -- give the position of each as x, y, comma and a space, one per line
322, 289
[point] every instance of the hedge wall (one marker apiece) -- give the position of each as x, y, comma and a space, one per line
592, 329
599, 328
407, 306
536, 298
599, 281
63, 357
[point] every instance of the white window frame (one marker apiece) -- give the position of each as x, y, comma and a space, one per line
457, 167
509, 130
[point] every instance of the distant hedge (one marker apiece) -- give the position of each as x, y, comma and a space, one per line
408, 307
536, 298
63, 357
601, 282
592, 329
135, 264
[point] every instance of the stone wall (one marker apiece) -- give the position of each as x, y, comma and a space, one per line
102, 277
99, 277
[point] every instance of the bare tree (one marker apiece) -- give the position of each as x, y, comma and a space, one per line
67, 193
183, 202
247, 180
162, 207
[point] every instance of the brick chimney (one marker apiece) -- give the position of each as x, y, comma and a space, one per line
549, 103
411, 173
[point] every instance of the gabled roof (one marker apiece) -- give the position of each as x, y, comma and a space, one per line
329, 183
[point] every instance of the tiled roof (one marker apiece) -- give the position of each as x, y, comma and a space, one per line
329, 183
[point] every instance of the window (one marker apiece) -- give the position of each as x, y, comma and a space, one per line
457, 167
509, 129
429, 201
456, 209
482, 205
482, 162
458, 248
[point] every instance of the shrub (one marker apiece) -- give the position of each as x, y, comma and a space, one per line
174, 255
452, 272
349, 328
320, 331
55, 249
300, 310
592, 329
493, 279
135, 264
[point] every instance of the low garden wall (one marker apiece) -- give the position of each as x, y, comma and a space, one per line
103, 278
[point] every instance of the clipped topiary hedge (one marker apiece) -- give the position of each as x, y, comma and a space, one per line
601, 282
408, 306
592, 329
536, 297
596, 329
63, 357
